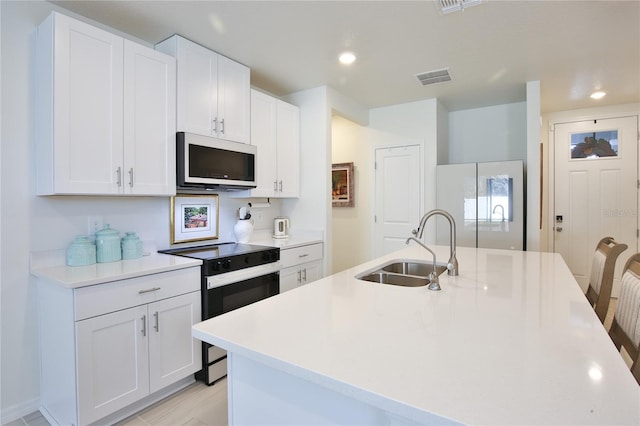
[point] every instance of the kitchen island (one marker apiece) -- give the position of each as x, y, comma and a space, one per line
511, 340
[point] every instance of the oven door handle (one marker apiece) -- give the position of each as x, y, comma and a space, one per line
227, 278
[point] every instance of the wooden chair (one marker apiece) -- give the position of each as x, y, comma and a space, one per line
625, 330
601, 278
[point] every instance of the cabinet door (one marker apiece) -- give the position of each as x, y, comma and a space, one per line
311, 271
288, 161
197, 88
234, 101
112, 364
149, 121
290, 278
263, 131
83, 143
173, 353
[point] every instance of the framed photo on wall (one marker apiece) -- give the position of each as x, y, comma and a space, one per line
194, 218
342, 185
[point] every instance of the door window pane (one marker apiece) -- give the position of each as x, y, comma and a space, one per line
594, 144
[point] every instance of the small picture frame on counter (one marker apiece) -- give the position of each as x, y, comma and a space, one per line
342, 185
194, 218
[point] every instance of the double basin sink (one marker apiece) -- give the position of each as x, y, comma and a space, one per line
403, 272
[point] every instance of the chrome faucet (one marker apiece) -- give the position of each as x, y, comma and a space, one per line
501, 208
452, 265
434, 282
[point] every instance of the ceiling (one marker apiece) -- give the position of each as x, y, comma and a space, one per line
491, 50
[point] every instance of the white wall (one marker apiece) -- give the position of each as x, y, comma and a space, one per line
495, 133
312, 210
351, 226
31, 223
532, 163
415, 120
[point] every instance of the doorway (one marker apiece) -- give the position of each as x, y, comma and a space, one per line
595, 191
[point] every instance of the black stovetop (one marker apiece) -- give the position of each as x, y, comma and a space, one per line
216, 251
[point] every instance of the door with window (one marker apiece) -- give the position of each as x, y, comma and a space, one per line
596, 190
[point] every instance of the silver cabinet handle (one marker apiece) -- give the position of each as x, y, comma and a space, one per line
304, 272
215, 125
222, 126
149, 290
280, 186
131, 177
303, 255
144, 325
299, 277
275, 186
157, 326
119, 176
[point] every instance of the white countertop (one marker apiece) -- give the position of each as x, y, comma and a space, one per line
295, 239
511, 340
99, 273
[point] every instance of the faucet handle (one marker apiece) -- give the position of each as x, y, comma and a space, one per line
414, 232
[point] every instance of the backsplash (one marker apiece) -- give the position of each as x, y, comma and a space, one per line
57, 220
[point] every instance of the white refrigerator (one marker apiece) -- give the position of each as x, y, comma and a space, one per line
486, 201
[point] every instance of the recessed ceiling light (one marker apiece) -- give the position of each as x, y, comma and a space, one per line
347, 58
598, 95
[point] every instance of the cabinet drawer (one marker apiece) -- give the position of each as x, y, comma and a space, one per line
295, 256
109, 297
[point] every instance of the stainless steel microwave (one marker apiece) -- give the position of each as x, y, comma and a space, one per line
208, 164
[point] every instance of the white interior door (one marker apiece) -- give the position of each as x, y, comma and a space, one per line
596, 192
398, 195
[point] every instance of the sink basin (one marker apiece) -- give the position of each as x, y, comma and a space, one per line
402, 272
414, 268
395, 279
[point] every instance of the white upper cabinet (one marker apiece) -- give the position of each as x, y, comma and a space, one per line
288, 149
213, 91
275, 131
105, 112
149, 121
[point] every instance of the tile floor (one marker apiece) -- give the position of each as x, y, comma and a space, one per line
201, 405
195, 405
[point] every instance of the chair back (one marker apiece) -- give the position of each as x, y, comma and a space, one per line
601, 278
625, 330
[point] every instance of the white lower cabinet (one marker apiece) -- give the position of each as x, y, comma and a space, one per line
301, 265
132, 338
113, 369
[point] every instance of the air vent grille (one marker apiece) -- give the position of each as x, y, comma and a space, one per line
436, 76
449, 6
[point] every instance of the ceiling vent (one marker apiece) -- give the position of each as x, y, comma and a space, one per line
436, 76
448, 6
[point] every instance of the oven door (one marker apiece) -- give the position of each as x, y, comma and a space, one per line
220, 300
233, 290
229, 291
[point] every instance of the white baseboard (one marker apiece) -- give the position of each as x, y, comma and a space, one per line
17, 411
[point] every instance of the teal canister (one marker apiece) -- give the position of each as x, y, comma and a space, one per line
108, 245
81, 252
131, 246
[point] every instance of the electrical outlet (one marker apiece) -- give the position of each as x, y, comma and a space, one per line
94, 224
258, 217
